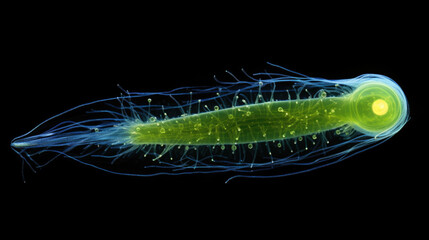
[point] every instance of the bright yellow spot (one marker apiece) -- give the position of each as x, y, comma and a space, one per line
380, 107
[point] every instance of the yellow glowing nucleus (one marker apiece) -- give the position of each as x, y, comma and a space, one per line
380, 107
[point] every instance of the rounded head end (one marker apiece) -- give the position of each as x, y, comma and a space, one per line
378, 107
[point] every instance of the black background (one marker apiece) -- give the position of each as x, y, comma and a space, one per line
61, 57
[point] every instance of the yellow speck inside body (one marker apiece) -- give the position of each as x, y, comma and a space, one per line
380, 107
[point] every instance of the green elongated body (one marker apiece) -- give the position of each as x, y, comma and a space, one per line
252, 123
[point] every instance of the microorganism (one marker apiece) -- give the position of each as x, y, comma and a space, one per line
285, 121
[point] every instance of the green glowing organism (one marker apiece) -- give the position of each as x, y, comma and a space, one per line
243, 128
